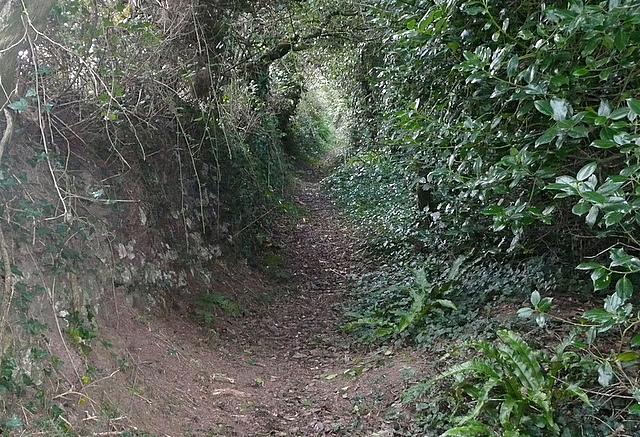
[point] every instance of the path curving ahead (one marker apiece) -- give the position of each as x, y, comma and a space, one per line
285, 370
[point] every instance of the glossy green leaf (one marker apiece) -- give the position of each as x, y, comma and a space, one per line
613, 303
472, 430
547, 136
604, 110
634, 105
535, 298
581, 208
589, 266
560, 108
598, 316
525, 312
610, 186
604, 144
592, 216
601, 278
621, 258
619, 113
446, 303
578, 392
627, 356
508, 405
493, 210
587, 171
512, 65
544, 106
525, 363
621, 39
624, 288
559, 80
605, 374
613, 218
581, 72
545, 304
594, 197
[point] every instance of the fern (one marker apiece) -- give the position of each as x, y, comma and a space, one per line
509, 390
210, 301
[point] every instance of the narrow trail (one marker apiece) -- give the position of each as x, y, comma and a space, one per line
285, 371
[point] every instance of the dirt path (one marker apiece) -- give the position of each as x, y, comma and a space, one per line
285, 370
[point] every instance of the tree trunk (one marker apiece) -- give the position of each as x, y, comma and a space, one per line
12, 31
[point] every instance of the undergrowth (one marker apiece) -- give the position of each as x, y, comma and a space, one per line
415, 268
447, 295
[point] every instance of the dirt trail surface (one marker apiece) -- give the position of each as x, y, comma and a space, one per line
283, 369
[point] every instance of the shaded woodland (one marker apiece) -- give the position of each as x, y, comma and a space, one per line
485, 154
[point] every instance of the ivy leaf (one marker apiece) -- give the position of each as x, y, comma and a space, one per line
19, 105
635, 341
13, 422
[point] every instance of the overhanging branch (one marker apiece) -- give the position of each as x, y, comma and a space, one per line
285, 47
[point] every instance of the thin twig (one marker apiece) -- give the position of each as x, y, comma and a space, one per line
7, 297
